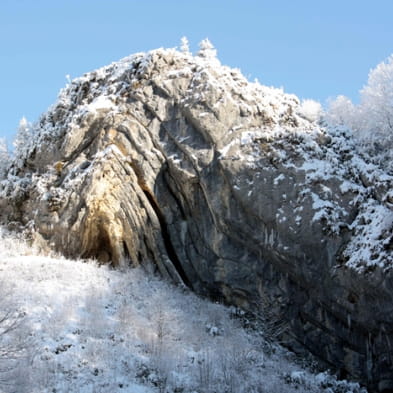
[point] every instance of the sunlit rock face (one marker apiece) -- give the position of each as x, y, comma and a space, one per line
180, 164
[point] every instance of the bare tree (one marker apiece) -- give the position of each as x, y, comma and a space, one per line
14, 346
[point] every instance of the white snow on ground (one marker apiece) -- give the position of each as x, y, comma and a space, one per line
85, 328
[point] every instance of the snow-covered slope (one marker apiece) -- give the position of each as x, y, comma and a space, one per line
86, 328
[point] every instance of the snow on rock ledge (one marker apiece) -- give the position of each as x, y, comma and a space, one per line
179, 163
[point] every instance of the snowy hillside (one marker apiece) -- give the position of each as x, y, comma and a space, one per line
84, 328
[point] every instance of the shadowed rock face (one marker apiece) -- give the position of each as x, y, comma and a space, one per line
179, 164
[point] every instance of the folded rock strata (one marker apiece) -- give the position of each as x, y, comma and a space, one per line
180, 164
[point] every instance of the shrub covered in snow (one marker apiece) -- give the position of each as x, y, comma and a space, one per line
311, 110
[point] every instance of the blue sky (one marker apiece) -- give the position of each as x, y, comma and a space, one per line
315, 49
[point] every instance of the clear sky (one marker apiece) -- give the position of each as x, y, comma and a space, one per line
315, 49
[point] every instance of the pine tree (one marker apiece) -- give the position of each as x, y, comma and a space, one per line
23, 134
206, 49
185, 48
4, 157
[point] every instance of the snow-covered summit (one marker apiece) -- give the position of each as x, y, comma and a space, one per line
202, 80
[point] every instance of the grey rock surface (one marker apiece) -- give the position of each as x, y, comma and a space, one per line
180, 164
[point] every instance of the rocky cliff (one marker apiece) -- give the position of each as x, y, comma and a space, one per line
180, 164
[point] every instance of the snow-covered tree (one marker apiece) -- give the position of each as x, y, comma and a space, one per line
342, 111
377, 99
68, 78
23, 134
3, 150
24, 139
185, 47
372, 119
311, 110
13, 342
4, 157
206, 49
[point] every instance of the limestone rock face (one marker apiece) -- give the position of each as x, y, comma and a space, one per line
180, 164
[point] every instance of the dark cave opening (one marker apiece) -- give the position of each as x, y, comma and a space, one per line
100, 249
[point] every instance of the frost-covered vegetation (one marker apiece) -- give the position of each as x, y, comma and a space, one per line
71, 326
371, 120
4, 158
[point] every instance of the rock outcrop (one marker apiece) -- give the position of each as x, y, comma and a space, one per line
180, 164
